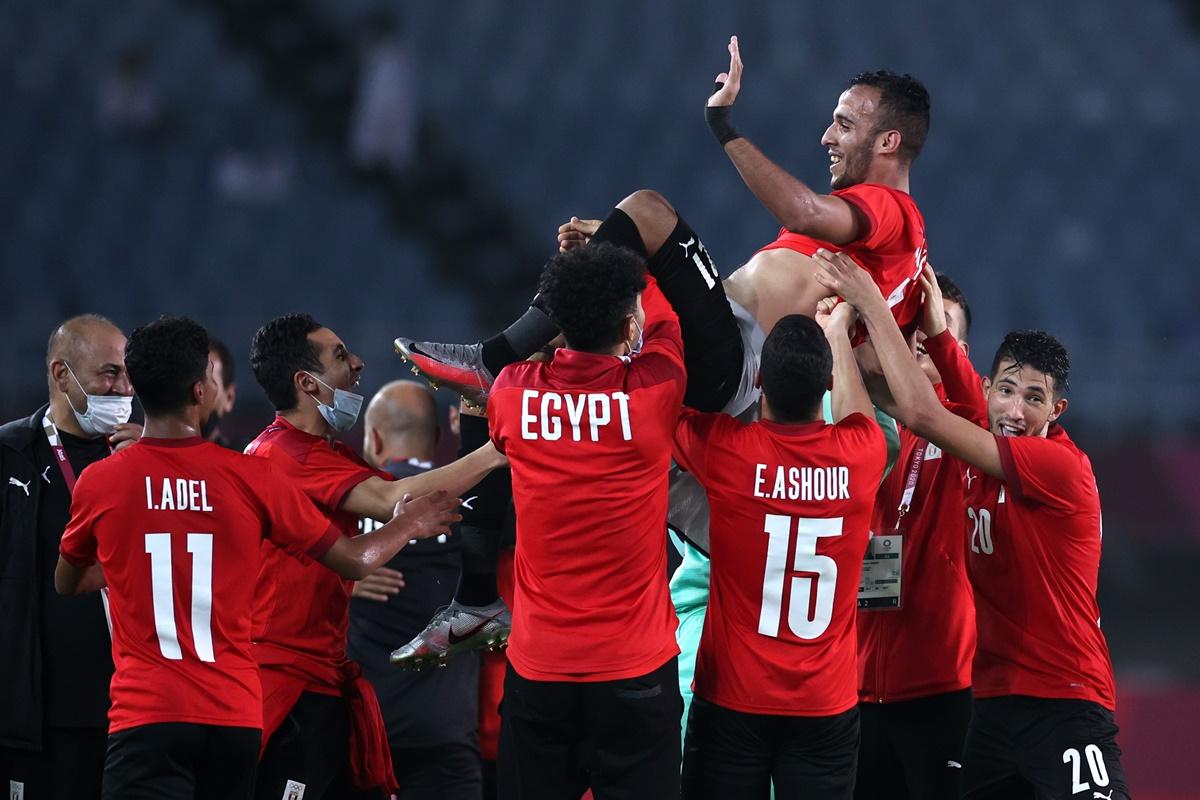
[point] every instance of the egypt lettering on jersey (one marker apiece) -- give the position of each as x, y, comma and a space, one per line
802, 483
177, 494
550, 416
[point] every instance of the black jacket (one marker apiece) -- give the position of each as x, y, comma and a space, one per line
23, 578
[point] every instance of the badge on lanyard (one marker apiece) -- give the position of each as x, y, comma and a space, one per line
880, 585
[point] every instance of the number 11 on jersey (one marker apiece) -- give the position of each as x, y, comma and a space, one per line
162, 587
813, 591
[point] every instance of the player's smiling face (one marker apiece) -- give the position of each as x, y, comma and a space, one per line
339, 367
850, 138
1021, 400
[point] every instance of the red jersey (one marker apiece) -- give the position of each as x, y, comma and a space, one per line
588, 438
892, 249
790, 510
176, 525
925, 647
301, 609
1034, 558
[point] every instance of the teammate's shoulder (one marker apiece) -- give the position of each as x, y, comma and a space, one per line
280, 439
518, 375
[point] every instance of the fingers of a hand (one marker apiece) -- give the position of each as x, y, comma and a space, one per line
367, 594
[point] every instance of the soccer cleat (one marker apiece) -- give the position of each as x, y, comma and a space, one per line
456, 629
458, 367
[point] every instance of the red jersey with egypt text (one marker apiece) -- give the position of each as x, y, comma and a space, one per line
790, 510
588, 438
892, 249
1034, 559
176, 525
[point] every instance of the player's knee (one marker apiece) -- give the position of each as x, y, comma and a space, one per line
653, 215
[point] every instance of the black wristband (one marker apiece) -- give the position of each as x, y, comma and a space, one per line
720, 122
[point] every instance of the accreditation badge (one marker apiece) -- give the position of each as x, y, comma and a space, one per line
879, 589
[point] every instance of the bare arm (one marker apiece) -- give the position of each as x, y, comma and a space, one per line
797, 207
376, 497
849, 392
72, 580
357, 557
917, 404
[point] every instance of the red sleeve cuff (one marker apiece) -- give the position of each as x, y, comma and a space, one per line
940, 345
322, 545
78, 562
1012, 478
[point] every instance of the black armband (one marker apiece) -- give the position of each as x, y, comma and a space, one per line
720, 122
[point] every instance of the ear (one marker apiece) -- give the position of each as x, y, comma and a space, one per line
966, 348
230, 396
305, 383
1060, 408
376, 443
198, 394
987, 385
888, 143
60, 376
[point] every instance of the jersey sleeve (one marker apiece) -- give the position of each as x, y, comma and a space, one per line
1042, 471
885, 218
960, 381
662, 349
78, 544
329, 476
291, 521
695, 431
864, 437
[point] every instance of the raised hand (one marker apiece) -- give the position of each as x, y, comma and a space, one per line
428, 515
841, 275
728, 83
379, 585
576, 233
835, 318
124, 435
933, 321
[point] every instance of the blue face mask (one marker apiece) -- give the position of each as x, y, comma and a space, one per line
342, 415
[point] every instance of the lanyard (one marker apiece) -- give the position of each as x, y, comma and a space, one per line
60, 453
910, 485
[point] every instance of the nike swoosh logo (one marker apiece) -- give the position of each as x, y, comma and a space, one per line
467, 503
454, 638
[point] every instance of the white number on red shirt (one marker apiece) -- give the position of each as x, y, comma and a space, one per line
981, 537
812, 591
158, 546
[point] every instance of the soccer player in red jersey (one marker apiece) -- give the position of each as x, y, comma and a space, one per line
173, 525
591, 697
321, 724
878, 128
790, 500
916, 644
1042, 721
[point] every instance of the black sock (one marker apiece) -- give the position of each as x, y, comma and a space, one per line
620, 229
520, 340
477, 581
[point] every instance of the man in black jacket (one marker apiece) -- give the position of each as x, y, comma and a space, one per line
56, 660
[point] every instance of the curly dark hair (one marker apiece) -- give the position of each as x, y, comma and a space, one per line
904, 107
165, 359
950, 291
588, 292
795, 368
1039, 350
278, 351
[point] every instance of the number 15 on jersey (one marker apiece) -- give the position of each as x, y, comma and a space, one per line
810, 599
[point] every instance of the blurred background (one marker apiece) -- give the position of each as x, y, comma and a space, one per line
399, 168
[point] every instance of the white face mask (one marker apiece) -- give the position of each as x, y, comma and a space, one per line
641, 340
342, 415
104, 411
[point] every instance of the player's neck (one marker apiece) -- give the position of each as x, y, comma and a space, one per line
63, 416
769, 415
888, 174
183, 425
307, 418
404, 449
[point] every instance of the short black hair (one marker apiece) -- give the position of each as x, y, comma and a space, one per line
165, 359
795, 368
903, 106
1039, 350
228, 371
950, 291
589, 291
278, 351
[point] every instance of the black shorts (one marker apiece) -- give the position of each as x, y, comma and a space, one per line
181, 760
1030, 747
70, 765
308, 756
732, 755
620, 738
913, 748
